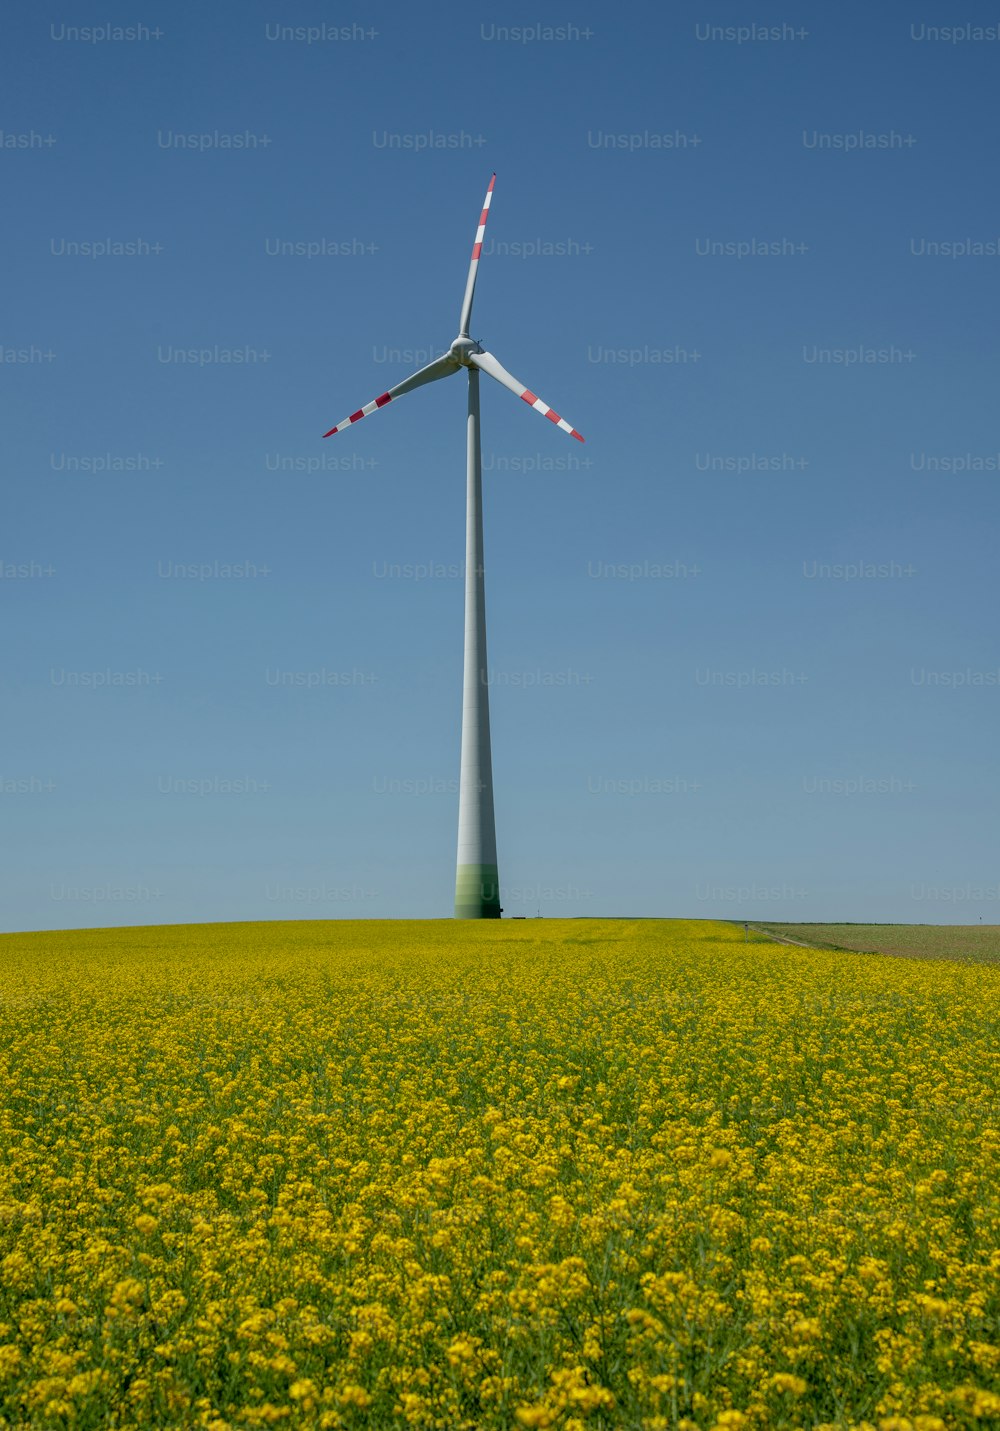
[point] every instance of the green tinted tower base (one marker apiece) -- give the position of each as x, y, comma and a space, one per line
477, 892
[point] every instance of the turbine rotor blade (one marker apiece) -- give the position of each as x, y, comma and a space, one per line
488, 364
470, 286
442, 367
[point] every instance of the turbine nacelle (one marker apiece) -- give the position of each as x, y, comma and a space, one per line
462, 347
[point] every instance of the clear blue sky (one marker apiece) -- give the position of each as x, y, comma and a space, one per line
699, 705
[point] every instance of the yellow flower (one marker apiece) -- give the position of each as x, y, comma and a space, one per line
353, 1395
794, 1385
10, 1359
535, 1416
460, 1351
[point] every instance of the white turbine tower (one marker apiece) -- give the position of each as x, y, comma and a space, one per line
477, 884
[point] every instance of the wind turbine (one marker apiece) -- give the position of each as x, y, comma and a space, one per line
477, 883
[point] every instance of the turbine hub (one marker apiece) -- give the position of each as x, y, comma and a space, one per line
462, 347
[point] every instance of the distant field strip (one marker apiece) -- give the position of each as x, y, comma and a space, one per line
473, 1176
977, 942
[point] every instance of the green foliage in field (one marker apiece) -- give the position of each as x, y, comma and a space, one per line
978, 942
547, 1173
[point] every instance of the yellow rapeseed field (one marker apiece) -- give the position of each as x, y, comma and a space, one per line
551, 1173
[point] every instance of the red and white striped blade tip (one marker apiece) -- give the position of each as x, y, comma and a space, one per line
477, 246
534, 401
361, 412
